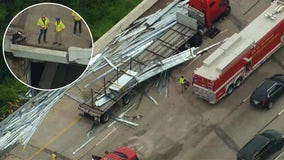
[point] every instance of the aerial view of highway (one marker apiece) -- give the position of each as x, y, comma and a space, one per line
172, 80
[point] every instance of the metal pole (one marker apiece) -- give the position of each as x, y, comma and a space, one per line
92, 94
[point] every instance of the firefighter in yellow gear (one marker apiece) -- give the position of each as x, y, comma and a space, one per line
182, 83
77, 21
43, 24
59, 27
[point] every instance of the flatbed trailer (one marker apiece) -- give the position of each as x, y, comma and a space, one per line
151, 58
160, 53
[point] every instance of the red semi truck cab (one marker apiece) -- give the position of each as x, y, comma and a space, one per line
212, 9
122, 153
226, 68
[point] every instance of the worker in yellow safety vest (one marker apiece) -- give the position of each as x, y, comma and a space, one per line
42, 23
53, 156
77, 21
59, 27
182, 83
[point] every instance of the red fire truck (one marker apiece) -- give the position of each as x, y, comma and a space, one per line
226, 68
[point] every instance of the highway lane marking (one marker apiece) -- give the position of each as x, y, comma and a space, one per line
114, 129
236, 107
140, 148
279, 156
56, 137
281, 112
275, 117
251, 7
83, 145
247, 98
224, 31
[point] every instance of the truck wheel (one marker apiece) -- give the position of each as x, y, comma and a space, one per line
126, 99
105, 117
282, 39
227, 11
196, 40
230, 89
238, 82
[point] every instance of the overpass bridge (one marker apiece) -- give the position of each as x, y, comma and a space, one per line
44, 65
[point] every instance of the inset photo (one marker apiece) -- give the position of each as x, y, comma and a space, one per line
47, 46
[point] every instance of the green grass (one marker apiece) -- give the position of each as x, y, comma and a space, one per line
103, 14
10, 89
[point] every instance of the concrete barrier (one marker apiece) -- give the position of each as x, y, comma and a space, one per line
41, 54
122, 25
79, 55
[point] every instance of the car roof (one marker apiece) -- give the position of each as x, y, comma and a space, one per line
272, 135
130, 153
264, 86
253, 147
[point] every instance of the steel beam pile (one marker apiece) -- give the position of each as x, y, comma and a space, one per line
19, 127
133, 42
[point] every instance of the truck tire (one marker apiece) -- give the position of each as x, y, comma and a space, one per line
230, 89
282, 39
126, 99
196, 40
227, 11
105, 117
238, 82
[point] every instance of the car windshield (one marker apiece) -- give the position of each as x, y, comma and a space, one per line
262, 89
121, 155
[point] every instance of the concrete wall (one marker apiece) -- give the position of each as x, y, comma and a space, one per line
122, 25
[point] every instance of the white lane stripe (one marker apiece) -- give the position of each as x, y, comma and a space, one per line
247, 98
140, 148
107, 136
279, 156
281, 112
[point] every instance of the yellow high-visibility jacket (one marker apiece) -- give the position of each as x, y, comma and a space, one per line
181, 80
59, 26
43, 25
76, 16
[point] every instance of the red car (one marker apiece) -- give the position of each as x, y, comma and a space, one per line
122, 153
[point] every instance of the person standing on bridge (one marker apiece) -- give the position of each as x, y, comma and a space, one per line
59, 27
42, 23
77, 21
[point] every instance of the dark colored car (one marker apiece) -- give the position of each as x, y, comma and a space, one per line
261, 146
268, 91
